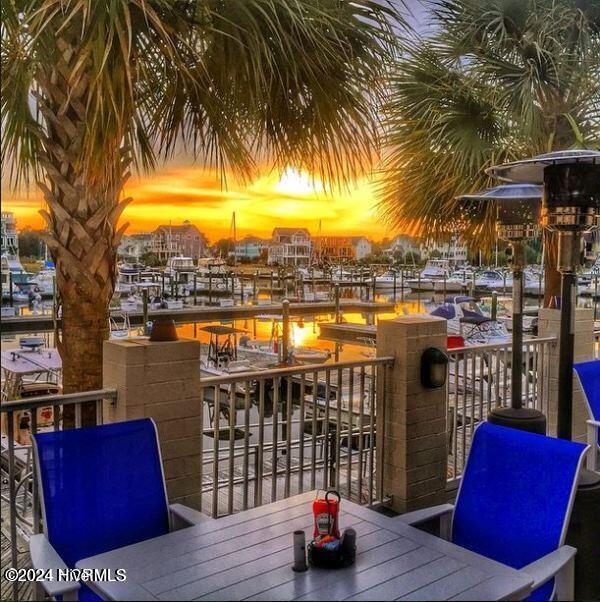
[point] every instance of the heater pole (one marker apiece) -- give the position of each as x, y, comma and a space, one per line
517, 328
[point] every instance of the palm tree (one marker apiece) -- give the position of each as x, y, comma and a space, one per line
92, 89
498, 80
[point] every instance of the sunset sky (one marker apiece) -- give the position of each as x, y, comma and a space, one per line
179, 192
183, 190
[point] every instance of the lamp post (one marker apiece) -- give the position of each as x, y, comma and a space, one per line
518, 215
571, 206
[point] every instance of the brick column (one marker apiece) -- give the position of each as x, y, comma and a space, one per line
549, 325
162, 381
411, 419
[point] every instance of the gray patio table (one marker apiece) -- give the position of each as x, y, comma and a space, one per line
249, 556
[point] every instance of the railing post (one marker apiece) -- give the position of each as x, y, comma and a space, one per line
411, 419
161, 380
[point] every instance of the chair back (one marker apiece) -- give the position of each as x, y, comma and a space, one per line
516, 495
589, 377
101, 488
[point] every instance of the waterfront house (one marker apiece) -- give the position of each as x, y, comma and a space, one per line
133, 246
251, 248
339, 249
180, 240
290, 246
10, 238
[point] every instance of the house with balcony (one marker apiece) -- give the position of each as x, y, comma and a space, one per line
10, 237
251, 248
341, 249
175, 240
290, 247
133, 246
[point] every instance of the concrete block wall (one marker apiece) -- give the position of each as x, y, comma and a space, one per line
162, 381
549, 325
413, 466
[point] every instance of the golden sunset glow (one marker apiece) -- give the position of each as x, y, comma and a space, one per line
176, 193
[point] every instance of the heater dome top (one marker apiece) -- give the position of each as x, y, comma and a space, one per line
532, 170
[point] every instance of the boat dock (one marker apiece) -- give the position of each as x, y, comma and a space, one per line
25, 324
348, 333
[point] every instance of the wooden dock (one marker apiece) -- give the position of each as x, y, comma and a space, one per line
25, 324
358, 334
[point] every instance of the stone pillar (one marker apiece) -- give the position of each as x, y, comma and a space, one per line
162, 381
413, 419
549, 325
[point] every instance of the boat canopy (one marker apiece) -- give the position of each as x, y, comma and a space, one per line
445, 311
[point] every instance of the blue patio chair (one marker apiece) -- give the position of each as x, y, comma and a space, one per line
589, 377
101, 488
514, 504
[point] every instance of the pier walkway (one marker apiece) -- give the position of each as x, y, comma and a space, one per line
25, 324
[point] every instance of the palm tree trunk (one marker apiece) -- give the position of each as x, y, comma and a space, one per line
82, 214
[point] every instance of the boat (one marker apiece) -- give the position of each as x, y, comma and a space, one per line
128, 278
493, 280
388, 279
466, 319
272, 347
435, 270
44, 282
181, 270
222, 358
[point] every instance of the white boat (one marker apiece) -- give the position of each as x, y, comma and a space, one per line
128, 278
130, 304
466, 319
387, 279
181, 271
44, 281
493, 280
435, 270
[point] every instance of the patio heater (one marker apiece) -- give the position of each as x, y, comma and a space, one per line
571, 207
518, 216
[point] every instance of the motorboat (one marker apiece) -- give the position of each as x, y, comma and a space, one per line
272, 347
435, 271
466, 319
388, 279
493, 280
128, 278
44, 282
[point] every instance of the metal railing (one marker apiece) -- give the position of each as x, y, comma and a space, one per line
266, 435
279, 432
480, 380
21, 418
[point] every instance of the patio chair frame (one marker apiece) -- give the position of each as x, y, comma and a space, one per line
45, 558
558, 564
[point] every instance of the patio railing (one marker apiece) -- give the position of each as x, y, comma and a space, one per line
480, 379
277, 433
19, 496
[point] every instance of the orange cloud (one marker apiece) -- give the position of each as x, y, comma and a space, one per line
177, 193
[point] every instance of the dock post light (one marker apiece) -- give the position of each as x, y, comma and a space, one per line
518, 216
571, 207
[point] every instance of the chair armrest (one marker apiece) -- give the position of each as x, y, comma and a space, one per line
45, 557
593, 428
443, 512
558, 564
183, 516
